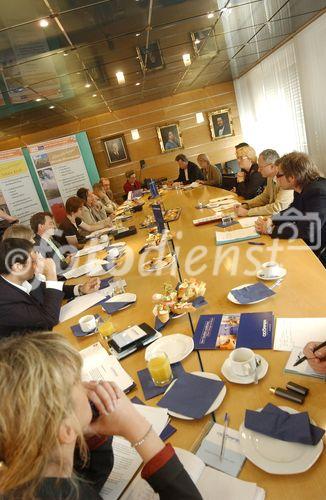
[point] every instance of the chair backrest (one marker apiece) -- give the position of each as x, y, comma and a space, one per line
232, 166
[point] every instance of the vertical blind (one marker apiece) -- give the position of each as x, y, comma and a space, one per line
281, 101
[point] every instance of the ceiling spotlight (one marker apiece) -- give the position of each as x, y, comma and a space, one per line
138, 83
200, 117
186, 59
44, 23
210, 15
135, 134
38, 99
87, 85
120, 77
51, 107
94, 95
197, 42
138, 34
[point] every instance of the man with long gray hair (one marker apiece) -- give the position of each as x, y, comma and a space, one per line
273, 199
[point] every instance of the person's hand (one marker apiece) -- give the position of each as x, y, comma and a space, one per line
90, 286
240, 176
12, 219
45, 267
118, 416
201, 181
240, 211
317, 360
108, 222
262, 225
233, 190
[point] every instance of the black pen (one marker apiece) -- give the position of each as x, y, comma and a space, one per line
301, 360
255, 243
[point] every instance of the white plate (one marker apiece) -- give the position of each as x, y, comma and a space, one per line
249, 379
176, 346
215, 404
234, 300
261, 276
275, 456
123, 297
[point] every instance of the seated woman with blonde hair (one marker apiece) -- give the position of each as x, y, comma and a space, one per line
50, 445
250, 182
212, 175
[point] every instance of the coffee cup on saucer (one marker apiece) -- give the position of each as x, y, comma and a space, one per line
271, 269
242, 362
88, 323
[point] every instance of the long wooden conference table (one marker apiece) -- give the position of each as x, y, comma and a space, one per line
301, 294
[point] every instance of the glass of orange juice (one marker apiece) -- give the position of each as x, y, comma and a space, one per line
106, 329
160, 369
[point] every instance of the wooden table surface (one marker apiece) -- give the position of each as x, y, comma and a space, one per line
301, 294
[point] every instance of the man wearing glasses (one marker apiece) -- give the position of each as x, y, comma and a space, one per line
273, 199
306, 216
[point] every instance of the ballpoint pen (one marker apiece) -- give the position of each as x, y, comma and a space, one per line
301, 360
226, 423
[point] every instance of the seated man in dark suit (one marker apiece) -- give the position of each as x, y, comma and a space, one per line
25, 302
46, 243
188, 172
306, 216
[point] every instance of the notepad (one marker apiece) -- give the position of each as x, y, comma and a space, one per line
224, 237
99, 365
304, 368
297, 332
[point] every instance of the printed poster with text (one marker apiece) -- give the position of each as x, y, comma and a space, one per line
61, 170
18, 196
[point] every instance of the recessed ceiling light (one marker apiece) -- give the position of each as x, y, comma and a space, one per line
138, 83
197, 41
186, 59
44, 23
138, 34
51, 107
87, 85
38, 99
210, 15
94, 95
120, 77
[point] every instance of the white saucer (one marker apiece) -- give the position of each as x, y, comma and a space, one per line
177, 347
234, 300
275, 456
215, 404
281, 274
249, 379
123, 297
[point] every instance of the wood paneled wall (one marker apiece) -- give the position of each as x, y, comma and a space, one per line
178, 108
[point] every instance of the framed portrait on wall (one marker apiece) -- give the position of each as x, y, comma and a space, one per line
220, 123
116, 149
204, 42
150, 59
169, 137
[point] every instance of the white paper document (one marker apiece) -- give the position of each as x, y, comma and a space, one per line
304, 367
247, 221
211, 483
81, 304
76, 272
98, 364
223, 237
91, 249
297, 332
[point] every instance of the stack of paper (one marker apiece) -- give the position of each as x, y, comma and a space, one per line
99, 365
224, 237
211, 483
297, 332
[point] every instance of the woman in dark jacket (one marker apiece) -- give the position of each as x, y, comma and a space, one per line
250, 182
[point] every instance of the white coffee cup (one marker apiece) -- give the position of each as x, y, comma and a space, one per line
104, 238
270, 269
87, 323
242, 361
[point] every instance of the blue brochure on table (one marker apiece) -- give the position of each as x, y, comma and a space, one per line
230, 331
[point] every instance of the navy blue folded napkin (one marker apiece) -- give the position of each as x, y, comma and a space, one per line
168, 429
191, 395
106, 282
151, 390
251, 293
227, 224
108, 266
279, 424
112, 307
78, 332
199, 302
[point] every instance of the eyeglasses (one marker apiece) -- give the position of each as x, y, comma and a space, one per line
279, 175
